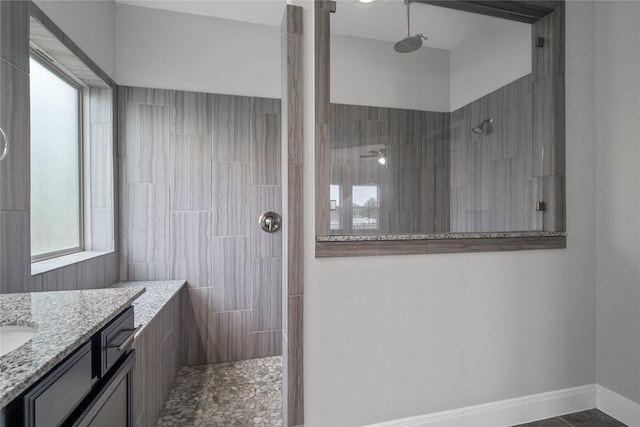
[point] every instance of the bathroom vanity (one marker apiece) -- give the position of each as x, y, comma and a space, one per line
77, 368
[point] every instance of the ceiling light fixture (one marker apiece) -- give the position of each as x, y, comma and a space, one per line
380, 155
366, 1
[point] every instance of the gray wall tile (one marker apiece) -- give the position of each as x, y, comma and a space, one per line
266, 156
231, 128
295, 99
15, 251
231, 274
148, 223
36, 284
149, 271
492, 174
194, 324
139, 380
149, 96
231, 199
265, 105
102, 227
100, 106
266, 296
266, 344
101, 165
14, 33
229, 336
111, 269
62, 279
295, 224
193, 113
91, 273
191, 247
147, 134
14, 120
295, 385
191, 173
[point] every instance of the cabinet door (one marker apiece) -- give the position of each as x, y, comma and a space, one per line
50, 401
112, 404
114, 411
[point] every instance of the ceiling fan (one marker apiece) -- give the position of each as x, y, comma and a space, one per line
380, 154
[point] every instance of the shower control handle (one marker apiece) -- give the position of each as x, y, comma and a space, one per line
270, 222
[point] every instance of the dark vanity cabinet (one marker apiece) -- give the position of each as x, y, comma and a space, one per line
111, 405
91, 387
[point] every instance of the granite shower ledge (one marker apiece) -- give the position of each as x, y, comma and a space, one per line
440, 236
437, 243
149, 304
64, 321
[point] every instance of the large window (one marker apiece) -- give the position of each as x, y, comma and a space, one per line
56, 141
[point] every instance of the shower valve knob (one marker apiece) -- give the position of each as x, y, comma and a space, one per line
270, 222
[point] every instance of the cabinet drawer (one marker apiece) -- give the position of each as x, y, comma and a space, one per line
115, 339
53, 398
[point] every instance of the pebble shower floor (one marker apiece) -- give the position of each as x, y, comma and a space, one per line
245, 393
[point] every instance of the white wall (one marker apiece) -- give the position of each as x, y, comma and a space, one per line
370, 72
392, 337
494, 57
170, 50
90, 24
618, 207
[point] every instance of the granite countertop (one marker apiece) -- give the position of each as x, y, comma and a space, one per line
439, 236
157, 295
64, 321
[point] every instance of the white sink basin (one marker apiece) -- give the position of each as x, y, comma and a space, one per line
12, 337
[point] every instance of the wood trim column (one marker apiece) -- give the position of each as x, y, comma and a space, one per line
293, 229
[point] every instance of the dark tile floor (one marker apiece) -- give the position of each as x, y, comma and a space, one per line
591, 418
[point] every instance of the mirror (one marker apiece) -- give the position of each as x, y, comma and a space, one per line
462, 135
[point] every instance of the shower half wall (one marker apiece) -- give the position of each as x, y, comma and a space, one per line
196, 171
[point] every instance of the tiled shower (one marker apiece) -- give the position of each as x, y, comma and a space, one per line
196, 171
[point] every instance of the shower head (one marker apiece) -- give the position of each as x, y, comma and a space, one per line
409, 43
480, 129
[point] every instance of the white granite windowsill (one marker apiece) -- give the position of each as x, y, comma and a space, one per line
64, 261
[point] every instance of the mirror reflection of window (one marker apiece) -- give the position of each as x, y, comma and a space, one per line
365, 207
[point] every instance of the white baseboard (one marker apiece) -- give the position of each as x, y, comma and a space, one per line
507, 412
529, 408
619, 407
